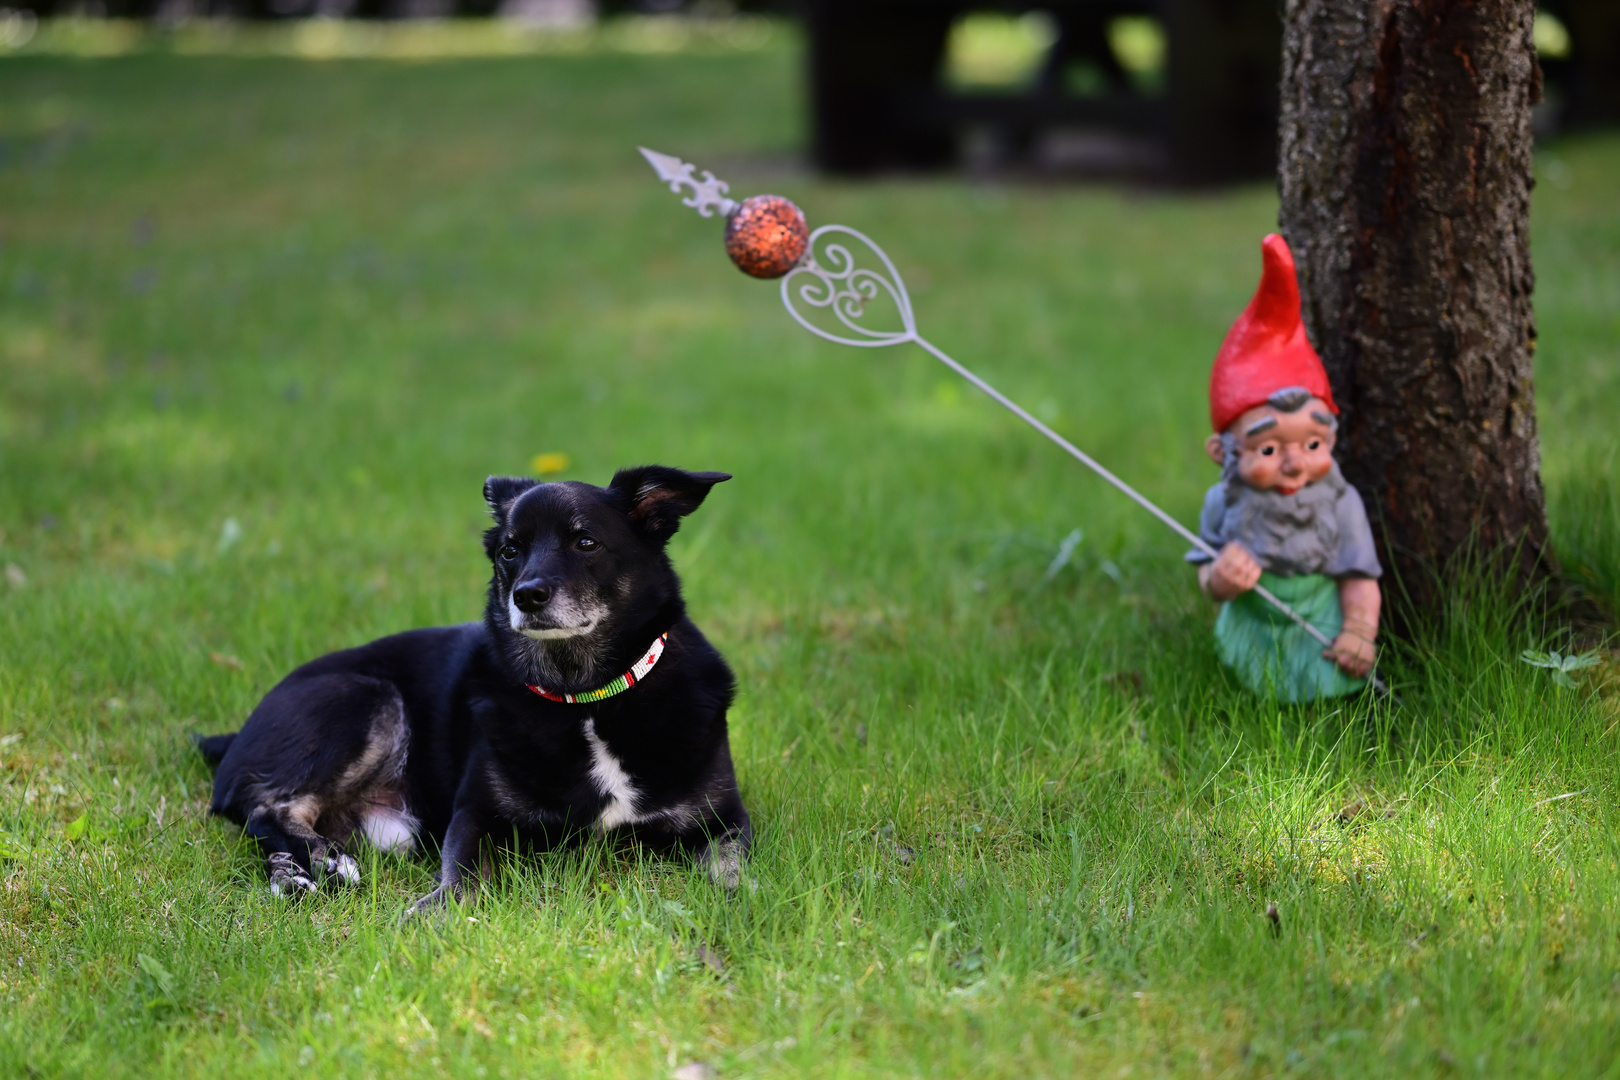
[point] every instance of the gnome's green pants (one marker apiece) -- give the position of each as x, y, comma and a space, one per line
1271, 655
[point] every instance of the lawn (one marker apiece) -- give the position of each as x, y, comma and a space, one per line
267, 322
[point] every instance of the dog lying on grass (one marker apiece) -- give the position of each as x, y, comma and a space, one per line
586, 699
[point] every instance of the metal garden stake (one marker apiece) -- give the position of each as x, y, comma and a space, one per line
767, 237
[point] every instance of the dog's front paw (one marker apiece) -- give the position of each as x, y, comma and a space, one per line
434, 903
287, 878
343, 867
724, 861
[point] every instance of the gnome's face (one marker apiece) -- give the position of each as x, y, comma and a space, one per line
1280, 451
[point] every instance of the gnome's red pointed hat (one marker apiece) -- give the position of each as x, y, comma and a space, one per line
1266, 350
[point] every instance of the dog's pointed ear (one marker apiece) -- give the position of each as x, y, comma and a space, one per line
656, 497
499, 491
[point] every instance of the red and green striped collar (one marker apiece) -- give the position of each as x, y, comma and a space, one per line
637, 672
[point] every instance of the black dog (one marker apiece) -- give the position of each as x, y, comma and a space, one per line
586, 699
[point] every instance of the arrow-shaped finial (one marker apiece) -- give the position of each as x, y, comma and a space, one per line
667, 166
708, 194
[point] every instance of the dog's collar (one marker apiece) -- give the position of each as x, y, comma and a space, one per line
637, 672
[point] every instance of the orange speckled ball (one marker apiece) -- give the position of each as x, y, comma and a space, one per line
766, 236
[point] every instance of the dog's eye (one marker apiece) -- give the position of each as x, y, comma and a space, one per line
509, 552
585, 543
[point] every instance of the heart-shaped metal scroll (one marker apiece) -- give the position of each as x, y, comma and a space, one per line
830, 279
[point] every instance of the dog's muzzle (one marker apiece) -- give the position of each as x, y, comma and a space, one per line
530, 598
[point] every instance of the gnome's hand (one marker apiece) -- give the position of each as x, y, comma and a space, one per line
1233, 573
1354, 652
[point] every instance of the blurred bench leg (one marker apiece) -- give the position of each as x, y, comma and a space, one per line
874, 74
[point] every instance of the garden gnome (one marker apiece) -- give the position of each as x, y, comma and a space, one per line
1283, 515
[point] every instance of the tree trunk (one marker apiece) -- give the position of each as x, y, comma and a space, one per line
1404, 169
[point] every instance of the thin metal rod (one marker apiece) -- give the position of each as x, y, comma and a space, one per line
1141, 500
1072, 450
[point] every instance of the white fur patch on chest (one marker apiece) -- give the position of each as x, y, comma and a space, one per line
388, 829
612, 782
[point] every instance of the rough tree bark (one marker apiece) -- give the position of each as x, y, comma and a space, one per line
1404, 168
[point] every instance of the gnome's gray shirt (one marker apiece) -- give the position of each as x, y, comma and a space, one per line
1320, 529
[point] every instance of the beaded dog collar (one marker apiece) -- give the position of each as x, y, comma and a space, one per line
637, 672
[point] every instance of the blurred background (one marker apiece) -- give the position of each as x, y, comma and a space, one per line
1183, 91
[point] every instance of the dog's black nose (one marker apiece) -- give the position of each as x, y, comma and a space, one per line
531, 596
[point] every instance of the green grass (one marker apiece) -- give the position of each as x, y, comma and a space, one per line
323, 300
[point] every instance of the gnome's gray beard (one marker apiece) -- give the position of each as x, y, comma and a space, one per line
1288, 535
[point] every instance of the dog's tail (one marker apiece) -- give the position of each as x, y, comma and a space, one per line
213, 747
